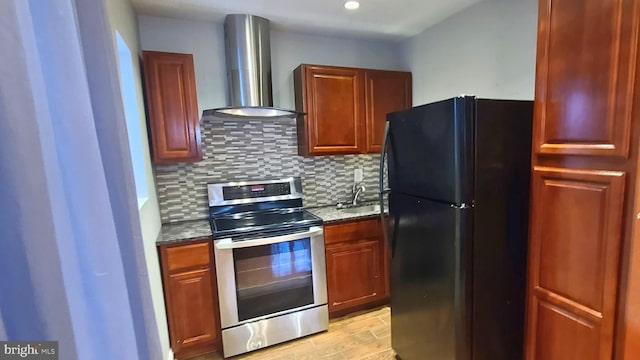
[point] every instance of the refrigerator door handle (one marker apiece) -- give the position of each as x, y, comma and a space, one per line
385, 143
383, 191
390, 241
394, 236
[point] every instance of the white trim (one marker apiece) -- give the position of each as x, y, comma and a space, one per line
170, 355
142, 201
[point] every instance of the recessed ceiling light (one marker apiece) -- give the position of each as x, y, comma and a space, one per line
351, 5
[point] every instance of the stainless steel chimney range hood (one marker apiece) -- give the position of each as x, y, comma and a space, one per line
248, 57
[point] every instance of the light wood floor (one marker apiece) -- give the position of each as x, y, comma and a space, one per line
366, 336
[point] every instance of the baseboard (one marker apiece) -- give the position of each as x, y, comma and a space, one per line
354, 310
170, 355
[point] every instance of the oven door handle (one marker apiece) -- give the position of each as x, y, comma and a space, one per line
227, 243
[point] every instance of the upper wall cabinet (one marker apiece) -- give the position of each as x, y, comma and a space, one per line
584, 103
345, 108
333, 100
173, 108
386, 91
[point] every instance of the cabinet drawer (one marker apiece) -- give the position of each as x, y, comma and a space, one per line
356, 230
188, 256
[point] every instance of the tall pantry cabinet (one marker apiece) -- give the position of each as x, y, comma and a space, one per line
583, 294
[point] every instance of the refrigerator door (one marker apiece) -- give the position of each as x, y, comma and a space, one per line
430, 279
431, 150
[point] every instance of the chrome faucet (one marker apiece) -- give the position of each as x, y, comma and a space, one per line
356, 191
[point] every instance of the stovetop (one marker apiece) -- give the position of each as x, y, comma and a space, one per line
263, 208
263, 223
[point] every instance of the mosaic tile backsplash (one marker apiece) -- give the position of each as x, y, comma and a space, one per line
249, 150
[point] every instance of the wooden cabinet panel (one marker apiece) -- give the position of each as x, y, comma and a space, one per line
587, 58
346, 107
354, 273
357, 266
332, 98
576, 233
631, 325
386, 91
190, 293
193, 309
581, 263
574, 274
188, 256
561, 336
352, 230
172, 106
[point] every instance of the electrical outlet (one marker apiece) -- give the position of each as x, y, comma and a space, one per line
357, 175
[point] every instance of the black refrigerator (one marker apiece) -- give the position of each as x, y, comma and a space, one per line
458, 198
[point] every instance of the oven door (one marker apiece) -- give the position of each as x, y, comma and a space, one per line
260, 278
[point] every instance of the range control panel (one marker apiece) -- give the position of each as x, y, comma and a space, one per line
243, 192
255, 191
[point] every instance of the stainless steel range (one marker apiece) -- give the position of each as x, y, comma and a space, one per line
270, 264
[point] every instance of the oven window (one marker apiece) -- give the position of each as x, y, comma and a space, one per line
273, 278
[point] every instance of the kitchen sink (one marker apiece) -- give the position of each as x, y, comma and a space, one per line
361, 209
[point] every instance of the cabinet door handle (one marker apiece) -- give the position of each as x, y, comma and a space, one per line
228, 243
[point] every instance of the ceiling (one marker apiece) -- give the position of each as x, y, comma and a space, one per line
392, 19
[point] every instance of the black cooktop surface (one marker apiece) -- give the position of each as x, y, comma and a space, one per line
258, 223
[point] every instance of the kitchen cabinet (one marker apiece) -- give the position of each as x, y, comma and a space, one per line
332, 99
188, 274
385, 92
172, 107
357, 266
585, 155
345, 108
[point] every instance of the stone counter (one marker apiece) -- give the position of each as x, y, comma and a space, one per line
330, 213
186, 231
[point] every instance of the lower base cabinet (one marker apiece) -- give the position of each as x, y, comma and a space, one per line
188, 274
357, 279
357, 266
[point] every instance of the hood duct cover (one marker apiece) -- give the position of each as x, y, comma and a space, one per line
248, 57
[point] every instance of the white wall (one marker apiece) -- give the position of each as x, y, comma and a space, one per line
205, 41
487, 50
288, 50
202, 39
123, 19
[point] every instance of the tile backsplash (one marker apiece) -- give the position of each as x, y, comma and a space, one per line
253, 149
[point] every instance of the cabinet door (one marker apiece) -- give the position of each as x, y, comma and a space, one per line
587, 55
332, 99
386, 91
188, 277
584, 153
576, 233
354, 273
172, 106
191, 309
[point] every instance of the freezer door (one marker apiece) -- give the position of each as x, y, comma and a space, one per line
431, 150
430, 282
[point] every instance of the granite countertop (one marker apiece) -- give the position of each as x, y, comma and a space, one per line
331, 213
186, 231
